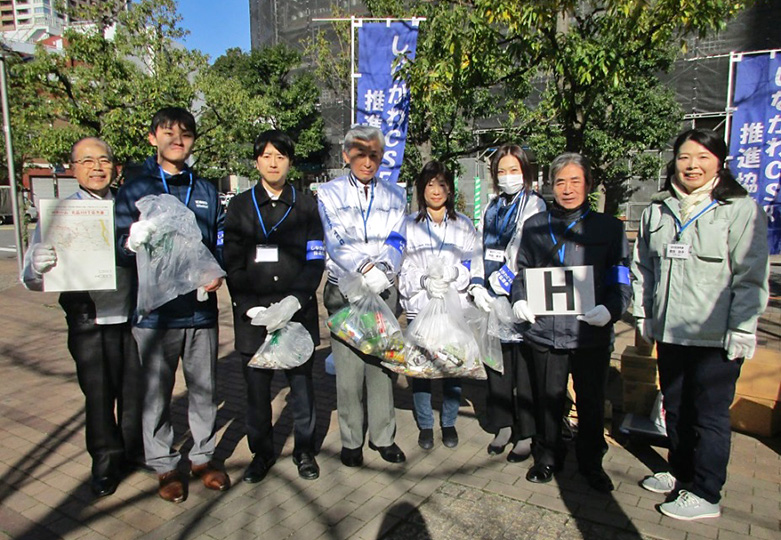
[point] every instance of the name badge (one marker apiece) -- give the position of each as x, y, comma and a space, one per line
495, 255
678, 251
265, 253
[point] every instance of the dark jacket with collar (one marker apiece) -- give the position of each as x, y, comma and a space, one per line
183, 311
301, 259
598, 241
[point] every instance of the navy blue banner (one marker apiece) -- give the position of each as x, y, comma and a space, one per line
755, 138
382, 100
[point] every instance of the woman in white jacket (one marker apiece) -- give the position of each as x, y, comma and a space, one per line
436, 231
700, 275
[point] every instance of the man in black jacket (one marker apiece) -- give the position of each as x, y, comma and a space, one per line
571, 234
274, 251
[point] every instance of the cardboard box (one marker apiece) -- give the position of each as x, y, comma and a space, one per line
638, 367
639, 397
760, 377
755, 416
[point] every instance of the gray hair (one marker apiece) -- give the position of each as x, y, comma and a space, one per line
94, 139
568, 158
363, 134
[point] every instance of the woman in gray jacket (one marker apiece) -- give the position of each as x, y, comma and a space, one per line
700, 274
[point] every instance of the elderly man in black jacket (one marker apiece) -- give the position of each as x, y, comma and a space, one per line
273, 250
571, 234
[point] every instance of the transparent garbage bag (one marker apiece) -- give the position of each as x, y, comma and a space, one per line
490, 346
502, 322
286, 348
174, 261
367, 323
440, 343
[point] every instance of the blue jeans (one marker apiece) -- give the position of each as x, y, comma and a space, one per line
451, 399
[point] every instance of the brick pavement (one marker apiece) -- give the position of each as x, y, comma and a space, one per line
441, 494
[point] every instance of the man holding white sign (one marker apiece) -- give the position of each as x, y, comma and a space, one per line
99, 338
574, 286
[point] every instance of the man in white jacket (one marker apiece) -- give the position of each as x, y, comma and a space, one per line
363, 218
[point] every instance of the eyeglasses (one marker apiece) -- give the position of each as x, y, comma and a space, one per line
91, 162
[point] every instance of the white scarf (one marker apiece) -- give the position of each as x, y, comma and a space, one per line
689, 201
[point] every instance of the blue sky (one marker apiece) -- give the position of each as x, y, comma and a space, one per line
216, 25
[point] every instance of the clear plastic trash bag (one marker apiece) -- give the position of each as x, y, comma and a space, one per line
490, 346
502, 322
286, 348
367, 323
174, 261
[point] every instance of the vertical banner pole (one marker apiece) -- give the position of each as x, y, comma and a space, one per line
478, 203
730, 88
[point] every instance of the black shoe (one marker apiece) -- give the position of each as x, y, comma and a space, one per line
495, 450
391, 454
540, 473
103, 486
257, 469
512, 457
307, 466
352, 457
450, 436
426, 439
598, 479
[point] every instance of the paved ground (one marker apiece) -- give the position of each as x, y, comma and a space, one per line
441, 494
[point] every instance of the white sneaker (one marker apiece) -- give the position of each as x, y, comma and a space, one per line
661, 482
689, 506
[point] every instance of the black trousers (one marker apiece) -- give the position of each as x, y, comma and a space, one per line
589, 367
260, 435
109, 374
510, 402
698, 385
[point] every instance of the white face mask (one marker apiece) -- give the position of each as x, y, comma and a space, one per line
510, 183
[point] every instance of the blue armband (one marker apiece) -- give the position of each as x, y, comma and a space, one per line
506, 277
315, 250
396, 241
618, 274
467, 263
220, 238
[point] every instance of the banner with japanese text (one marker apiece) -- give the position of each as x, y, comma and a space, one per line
382, 100
755, 137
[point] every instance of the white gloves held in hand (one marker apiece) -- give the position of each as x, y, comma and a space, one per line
43, 258
740, 345
597, 316
140, 233
436, 287
376, 280
276, 315
523, 312
482, 298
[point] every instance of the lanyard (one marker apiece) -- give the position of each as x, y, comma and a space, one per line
553, 236
189, 188
365, 216
518, 198
431, 236
682, 228
260, 218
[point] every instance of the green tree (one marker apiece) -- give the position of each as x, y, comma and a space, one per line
245, 93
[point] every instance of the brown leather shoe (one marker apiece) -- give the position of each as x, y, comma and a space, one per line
212, 475
171, 487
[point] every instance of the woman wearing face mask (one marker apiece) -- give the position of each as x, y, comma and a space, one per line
700, 272
436, 231
509, 403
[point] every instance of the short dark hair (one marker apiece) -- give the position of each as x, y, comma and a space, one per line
727, 187
571, 158
510, 149
431, 170
278, 139
169, 116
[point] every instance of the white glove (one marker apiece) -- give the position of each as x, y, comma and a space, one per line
254, 311
43, 258
644, 327
597, 316
140, 233
493, 281
436, 288
376, 280
740, 344
278, 314
482, 298
523, 312
450, 274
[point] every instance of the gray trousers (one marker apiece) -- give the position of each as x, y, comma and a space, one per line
160, 350
353, 369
